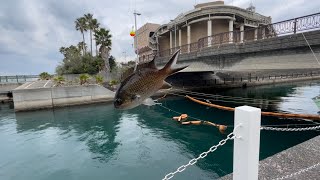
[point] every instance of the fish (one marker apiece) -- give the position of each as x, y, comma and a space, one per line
145, 81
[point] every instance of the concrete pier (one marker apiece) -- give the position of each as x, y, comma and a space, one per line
49, 97
290, 161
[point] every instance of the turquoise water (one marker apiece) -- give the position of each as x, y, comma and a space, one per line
98, 142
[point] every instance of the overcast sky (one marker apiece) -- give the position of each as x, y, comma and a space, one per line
32, 31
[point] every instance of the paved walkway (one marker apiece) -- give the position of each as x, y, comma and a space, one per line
36, 84
290, 161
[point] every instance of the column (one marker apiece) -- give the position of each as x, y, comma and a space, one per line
188, 37
180, 38
256, 33
241, 33
230, 30
263, 33
209, 32
170, 41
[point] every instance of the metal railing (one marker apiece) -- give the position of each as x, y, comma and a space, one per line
291, 26
18, 78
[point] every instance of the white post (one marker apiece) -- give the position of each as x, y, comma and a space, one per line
188, 37
231, 30
246, 143
209, 32
241, 33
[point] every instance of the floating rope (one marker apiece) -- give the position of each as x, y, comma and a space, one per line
283, 115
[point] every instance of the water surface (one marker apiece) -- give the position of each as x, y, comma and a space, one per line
98, 142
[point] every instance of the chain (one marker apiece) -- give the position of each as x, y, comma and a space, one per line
290, 129
201, 156
299, 172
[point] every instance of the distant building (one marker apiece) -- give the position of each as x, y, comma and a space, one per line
205, 20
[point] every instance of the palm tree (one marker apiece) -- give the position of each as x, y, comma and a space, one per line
95, 26
82, 27
82, 45
103, 38
89, 19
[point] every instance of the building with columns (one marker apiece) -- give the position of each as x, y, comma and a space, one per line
201, 25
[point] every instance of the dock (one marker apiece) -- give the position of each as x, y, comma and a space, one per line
298, 162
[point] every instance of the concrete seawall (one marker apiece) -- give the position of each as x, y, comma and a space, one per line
41, 98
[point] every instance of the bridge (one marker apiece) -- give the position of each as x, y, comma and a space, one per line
8, 83
278, 49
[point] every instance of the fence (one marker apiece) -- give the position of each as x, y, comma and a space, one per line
287, 27
18, 78
246, 136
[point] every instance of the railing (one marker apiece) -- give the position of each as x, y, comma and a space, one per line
291, 26
18, 78
246, 136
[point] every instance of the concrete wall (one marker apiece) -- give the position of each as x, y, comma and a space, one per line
198, 30
40, 98
164, 42
219, 26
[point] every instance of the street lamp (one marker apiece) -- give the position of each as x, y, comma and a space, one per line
135, 13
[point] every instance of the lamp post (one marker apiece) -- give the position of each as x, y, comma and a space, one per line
135, 13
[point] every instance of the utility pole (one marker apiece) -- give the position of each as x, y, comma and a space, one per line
135, 13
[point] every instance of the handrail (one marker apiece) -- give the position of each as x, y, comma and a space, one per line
290, 26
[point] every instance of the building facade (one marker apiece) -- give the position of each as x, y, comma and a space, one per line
200, 26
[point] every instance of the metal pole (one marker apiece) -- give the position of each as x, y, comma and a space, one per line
135, 13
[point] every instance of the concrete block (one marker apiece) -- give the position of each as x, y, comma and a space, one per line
31, 94
67, 101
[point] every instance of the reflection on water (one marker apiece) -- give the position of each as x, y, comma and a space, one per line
99, 142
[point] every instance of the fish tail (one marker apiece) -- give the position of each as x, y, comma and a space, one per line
169, 67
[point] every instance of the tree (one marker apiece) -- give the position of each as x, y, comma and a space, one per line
82, 27
95, 27
112, 63
89, 19
103, 38
82, 45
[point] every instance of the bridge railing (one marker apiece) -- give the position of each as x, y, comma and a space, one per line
291, 26
18, 78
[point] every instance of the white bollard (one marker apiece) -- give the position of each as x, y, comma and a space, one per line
246, 143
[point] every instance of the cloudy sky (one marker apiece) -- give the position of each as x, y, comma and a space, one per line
32, 31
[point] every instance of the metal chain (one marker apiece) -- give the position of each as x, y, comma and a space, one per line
201, 156
299, 172
290, 129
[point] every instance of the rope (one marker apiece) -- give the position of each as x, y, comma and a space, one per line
310, 48
284, 115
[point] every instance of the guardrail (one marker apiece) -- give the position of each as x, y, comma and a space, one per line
287, 27
18, 78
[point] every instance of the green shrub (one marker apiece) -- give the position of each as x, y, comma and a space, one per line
113, 82
59, 80
99, 79
84, 78
45, 76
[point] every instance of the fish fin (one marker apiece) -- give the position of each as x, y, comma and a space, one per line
151, 64
175, 70
130, 71
149, 102
166, 85
168, 68
126, 73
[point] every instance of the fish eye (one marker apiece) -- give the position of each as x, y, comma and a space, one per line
118, 101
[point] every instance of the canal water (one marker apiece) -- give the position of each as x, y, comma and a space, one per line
99, 142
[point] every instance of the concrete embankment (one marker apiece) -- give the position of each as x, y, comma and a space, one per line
290, 161
40, 98
6, 91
